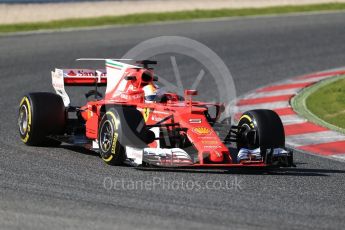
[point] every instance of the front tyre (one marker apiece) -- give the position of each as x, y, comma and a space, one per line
260, 128
111, 151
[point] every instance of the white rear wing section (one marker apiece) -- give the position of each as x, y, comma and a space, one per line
112, 77
59, 86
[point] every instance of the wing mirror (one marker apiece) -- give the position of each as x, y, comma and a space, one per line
190, 92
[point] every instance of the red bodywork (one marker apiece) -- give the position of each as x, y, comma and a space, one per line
187, 113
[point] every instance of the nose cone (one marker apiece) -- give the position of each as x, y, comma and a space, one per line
216, 156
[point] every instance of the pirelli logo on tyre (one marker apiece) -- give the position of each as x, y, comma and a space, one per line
113, 146
202, 130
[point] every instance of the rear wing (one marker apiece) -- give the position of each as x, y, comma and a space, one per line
111, 77
76, 77
82, 77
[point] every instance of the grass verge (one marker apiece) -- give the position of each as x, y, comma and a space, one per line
170, 16
323, 103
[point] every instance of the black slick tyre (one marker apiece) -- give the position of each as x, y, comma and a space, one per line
260, 128
41, 115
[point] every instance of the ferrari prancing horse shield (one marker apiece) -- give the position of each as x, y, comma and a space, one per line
146, 113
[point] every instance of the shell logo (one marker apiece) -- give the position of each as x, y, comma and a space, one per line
201, 130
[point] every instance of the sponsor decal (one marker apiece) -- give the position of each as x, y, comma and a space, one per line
146, 113
155, 118
207, 138
194, 121
212, 146
202, 130
84, 73
72, 73
130, 97
210, 142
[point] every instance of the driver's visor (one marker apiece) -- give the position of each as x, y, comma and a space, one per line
150, 98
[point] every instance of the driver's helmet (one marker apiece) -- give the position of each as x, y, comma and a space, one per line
150, 91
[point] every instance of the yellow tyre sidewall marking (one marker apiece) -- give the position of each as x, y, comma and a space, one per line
27, 136
249, 119
115, 137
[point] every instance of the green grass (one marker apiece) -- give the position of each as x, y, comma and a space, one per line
171, 16
323, 103
328, 103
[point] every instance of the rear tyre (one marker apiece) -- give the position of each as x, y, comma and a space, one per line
260, 128
40, 115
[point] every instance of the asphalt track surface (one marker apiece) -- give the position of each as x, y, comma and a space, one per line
55, 188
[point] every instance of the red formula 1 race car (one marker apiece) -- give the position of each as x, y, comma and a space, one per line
137, 125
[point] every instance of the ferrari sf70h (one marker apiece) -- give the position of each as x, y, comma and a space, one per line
134, 124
